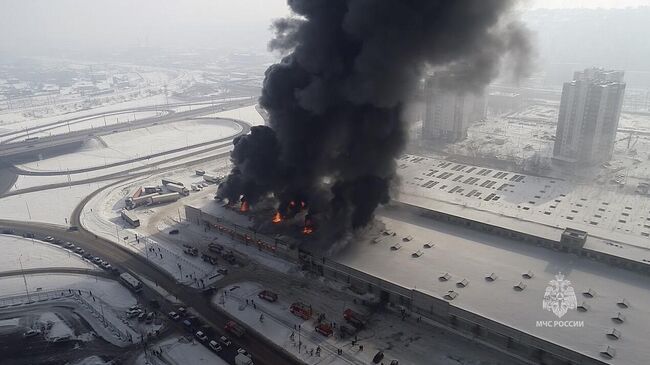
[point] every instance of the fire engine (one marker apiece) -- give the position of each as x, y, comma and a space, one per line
301, 310
234, 328
354, 318
324, 329
268, 295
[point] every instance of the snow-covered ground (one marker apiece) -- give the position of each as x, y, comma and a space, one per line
49, 206
407, 341
100, 301
137, 143
34, 254
102, 216
248, 114
471, 255
86, 124
180, 351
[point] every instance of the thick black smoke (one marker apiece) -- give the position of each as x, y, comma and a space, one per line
335, 100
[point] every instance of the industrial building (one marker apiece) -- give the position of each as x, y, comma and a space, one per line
449, 113
588, 119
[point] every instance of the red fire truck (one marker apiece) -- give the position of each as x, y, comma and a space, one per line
324, 329
268, 295
301, 310
235, 328
354, 318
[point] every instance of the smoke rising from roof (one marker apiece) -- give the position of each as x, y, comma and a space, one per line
335, 99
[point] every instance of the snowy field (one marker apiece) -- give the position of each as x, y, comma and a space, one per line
85, 124
34, 254
140, 142
248, 114
601, 211
470, 255
48, 206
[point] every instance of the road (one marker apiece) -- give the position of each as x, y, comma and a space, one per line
264, 352
28, 147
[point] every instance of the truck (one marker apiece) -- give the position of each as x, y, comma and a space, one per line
132, 203
139, 191
356, 319
324, 329
235, 328
243, 359
166, 181
301, 310
211, 178
130, 218
151, 189
131, 282
178, 189
164, 198
268, 295
200, 172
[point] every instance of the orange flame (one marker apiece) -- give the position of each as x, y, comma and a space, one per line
307, 230
244, 206
277, 218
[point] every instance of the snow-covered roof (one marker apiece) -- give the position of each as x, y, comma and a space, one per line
463, 253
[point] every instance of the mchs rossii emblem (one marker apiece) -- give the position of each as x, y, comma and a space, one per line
559, 296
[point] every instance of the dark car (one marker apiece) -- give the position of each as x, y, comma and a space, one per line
7, 231
174, 231
188, 325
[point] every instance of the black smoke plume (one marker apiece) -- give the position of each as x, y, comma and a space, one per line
335, 100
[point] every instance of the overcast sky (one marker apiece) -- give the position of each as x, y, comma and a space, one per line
27, 26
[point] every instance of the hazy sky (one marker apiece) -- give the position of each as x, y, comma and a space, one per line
28, 25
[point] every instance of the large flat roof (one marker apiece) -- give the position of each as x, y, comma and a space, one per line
539, 205
469, 254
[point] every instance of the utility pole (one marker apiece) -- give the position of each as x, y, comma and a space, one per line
24, 277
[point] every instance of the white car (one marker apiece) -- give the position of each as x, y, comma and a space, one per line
214, 346
225, 341
31, 333
201, 336
242, 351
174, 316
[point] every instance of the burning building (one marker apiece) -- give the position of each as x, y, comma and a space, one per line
335, 101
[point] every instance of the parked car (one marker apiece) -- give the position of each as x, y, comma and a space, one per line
182, 311
31, 333
214, 346
79, 250
48, 239
174, 316
201, 336
69, 245
174, 231
225, 341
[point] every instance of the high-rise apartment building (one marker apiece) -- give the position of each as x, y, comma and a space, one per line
449, 113
588, 118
